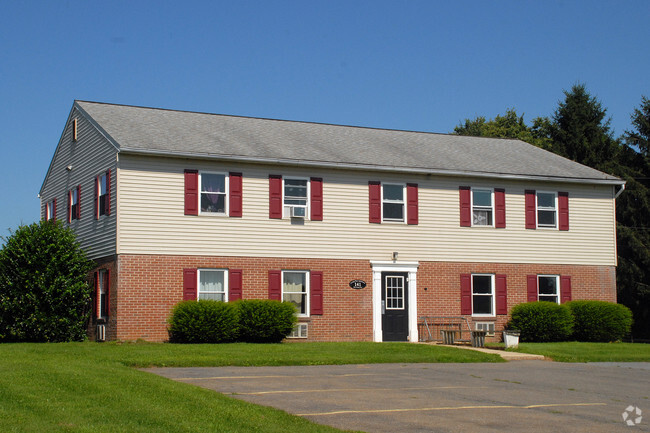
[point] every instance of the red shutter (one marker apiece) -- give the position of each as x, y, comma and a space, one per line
531, 287
96, 303
466, 294
234, 284
97, 190
531, 209
412, 203
316, 199
191, 192
563, 204
107, 288
54, 210
69, 207
374, 198
465, 206
275, 285
565, 288
189, 285
108, 192
501, 294
236, 194
275, 196
500, 208
78, 202
316, 292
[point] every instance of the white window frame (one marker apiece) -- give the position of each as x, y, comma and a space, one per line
307, 290
491, 207
557, 288
101, 275
538, 208
401, 299
100, 195
301, 330
74, 200
286, 208
225, 282
402, 202
49, 210
492, 295
226, 193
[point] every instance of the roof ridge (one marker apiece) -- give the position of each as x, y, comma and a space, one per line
448, 134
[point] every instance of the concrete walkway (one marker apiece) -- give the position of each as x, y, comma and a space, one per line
508, 356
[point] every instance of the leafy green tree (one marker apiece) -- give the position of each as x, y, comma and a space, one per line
44, 289
510, 125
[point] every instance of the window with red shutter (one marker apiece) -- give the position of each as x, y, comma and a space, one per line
563, 214
275, 285
530, 209
374, 196
234, 284
499, 208
501, 294
191, 192
412, 203
465, 196
316, 199
275, 196
189, 284
236, 194
316, 292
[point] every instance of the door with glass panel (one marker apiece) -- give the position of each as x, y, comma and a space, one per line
394, 306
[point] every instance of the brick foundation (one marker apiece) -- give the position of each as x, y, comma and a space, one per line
144, 288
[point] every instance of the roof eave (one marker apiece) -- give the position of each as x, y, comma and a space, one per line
369, 167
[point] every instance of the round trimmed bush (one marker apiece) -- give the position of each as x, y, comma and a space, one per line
265, 321
204, 321
44, 290
542, 321
600, 321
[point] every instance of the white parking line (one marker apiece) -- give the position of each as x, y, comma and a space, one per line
183, 379
356, 389
532, 406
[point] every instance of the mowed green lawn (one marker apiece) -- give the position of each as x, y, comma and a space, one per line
91, 387
572, 351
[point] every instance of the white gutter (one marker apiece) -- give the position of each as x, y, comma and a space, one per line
620, 191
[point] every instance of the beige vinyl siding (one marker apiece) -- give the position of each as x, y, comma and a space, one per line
89, 156
152, 220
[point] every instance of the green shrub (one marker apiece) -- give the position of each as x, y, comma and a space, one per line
600, 321
265, 321
542, 321
44, 289
203, 322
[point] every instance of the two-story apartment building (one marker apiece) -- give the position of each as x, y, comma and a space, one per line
364, 230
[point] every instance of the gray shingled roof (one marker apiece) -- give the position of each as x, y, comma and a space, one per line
158, 131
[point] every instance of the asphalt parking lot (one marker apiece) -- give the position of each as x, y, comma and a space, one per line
507, 397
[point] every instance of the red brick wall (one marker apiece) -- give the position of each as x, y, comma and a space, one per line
149, 286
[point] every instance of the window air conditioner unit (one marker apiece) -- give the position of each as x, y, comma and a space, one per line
298, 212
101, 332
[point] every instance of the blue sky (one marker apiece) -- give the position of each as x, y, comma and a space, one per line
415, 65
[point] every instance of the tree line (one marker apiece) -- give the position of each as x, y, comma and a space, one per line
579, 129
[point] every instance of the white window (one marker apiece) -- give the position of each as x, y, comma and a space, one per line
483, 295
482, 207
547, 288
212, 284
296, 197
295, 289
102, 310
395, 292
392, 201
102, 200
299, 331
50, 210
74, 204
546, 209
214, 193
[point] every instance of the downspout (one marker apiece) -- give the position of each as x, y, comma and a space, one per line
619, 191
